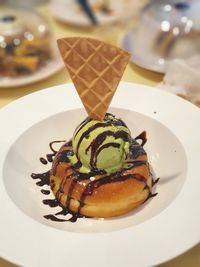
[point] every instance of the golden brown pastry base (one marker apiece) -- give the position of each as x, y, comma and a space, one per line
108, 200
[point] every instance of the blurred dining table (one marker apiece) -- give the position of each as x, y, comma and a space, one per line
133, 73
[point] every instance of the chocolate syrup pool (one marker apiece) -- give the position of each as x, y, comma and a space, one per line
43, 179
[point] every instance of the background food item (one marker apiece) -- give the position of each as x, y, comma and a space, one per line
25, 42
101, 145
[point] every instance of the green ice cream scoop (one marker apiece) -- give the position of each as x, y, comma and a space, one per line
101, 145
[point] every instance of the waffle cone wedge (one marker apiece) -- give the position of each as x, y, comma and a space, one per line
96, 69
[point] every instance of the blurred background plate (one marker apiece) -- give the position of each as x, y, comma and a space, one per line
106, 12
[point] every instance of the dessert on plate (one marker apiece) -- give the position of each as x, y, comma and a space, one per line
102, 171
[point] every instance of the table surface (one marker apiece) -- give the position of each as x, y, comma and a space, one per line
132, 73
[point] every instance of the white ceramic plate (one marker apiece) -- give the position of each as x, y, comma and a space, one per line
159, 230
68, 11
51, 67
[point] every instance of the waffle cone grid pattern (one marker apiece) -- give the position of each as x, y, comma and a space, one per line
96, 69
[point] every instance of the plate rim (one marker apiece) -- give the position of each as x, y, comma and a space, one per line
122, 235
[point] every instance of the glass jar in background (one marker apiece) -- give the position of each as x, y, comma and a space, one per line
25, 42
166, 30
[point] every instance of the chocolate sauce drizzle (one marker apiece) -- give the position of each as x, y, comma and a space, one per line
43, 178
56, 156
45, 192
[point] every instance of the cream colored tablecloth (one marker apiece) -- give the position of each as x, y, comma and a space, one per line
132, 74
